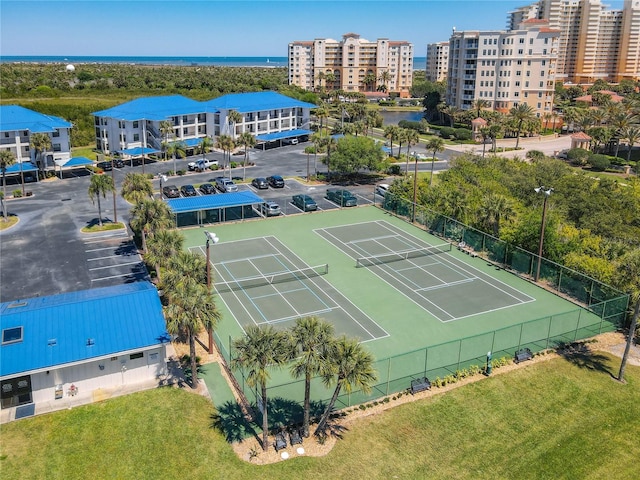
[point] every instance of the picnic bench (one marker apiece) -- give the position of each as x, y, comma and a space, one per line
420, 384
294, 437
522, 355
281, 441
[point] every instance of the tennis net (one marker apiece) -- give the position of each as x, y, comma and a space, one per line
280, 277
406, 255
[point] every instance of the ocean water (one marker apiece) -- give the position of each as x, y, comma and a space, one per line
419, 63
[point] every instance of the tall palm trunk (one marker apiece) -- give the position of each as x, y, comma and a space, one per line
99, 211
265, 420
325, 416
307, 405
194, 361
627, 348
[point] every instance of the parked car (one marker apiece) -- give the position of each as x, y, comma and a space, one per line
226, 185
201, 165
188, 191
106, 166
170, 191
344, 198
290, 141
207, 189
270, 209
118, 163
304, 203
276, 181
260, 183
382, 189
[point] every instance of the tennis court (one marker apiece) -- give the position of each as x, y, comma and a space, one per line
261, 282
426, 274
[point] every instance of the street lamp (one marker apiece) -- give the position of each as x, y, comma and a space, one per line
113, 180
163, 178
211, 238
547, 192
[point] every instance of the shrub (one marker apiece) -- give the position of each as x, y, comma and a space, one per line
535, 155
599, 162
447, 132
394, 170
17, 193
462, 134
578, 156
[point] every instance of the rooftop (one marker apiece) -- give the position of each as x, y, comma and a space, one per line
16, 118
153, 108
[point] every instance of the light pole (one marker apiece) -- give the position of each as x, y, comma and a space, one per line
113, 180
547, 193
163, 178
211, 238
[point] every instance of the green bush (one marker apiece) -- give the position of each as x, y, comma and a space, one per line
17, 193
599, 162
447, 132
462, 134
578, 156
394, 170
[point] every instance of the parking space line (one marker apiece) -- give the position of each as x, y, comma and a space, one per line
102, 248
110, 277
115, 266
102, 258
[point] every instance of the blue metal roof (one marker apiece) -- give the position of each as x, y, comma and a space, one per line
209, 202
77, 162
56, 328
15, 118
270, 137
138, 151
192, 142
255, 102
26, 167
153, 108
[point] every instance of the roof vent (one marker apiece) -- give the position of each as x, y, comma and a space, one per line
17, 304
90, 342
52, 342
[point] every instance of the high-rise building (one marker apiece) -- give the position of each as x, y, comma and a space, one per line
503, 67
595, 42
353, 65
437, 61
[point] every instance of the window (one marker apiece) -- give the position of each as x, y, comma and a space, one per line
6, 134
135, 124
11, 335
56, 134
56, 147
136, 137
133, 356
520, 52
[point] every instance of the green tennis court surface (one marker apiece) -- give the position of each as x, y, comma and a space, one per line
444, 286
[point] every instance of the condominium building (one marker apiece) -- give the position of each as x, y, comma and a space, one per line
353, 64
437, 61
505, 68
139, 125
18, 124
595, 42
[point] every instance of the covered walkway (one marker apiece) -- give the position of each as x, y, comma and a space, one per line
207, 209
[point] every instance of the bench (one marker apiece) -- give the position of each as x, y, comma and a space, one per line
281, 441
294, 437
420, 384
522, 355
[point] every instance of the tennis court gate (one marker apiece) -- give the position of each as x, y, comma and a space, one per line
604, 300
443, 360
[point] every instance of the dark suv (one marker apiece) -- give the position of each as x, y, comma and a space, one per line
170, 191
188, 191
275, 181
344, 198
304, 203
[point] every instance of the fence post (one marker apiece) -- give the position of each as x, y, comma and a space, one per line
493, 341
388, 375
549, 331
575, 334
426, 358
459, 353
520, 339
559, 279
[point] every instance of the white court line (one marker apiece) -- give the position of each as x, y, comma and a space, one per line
286, 319
444, 285
115, 266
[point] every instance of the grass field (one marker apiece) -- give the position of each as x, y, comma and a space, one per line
557, 419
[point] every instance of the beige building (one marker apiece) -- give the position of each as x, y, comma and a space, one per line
353, 64
437, 61
505, 68
595, 42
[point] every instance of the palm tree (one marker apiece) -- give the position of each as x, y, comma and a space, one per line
495, 208
352, 367
330, 145
7, 158
631, 134
311, 337
99, 187
321, 112
164, 245
391, 132
41, 143
226, 144
480, 104
385, 78
234, 117
435, 144
317, 140
320, 77
369, 80
628, 279
150, 216
520, 114
412, 138
166, 130
247, 140
205, 146
262, 348
176, 149
136, 187
191, 309
185, 267
329, 79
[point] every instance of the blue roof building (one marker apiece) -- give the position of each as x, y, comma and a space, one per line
70, 345
18, 124
141, 123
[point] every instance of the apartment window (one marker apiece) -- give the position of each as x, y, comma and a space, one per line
526, 94
522, 40
531, 41
518, 73
528, 63
520, 52
517, 83
11, 335
185, 119
519, 62
136, 137
539, 95
544, 62
539, 104
526, 84
133, 356
530, 52
135, 124
546, 41
542, 73
541, 84
56, 147
516, 94
56, 134
6, 134
528, 73
120, 124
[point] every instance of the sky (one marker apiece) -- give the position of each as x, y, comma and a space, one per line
215, 28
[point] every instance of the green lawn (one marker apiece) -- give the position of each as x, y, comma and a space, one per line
556, 419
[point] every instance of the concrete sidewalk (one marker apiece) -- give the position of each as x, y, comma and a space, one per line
549, 145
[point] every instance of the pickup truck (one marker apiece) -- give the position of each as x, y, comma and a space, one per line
201, 165
226, 185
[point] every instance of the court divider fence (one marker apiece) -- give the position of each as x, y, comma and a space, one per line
602, 308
